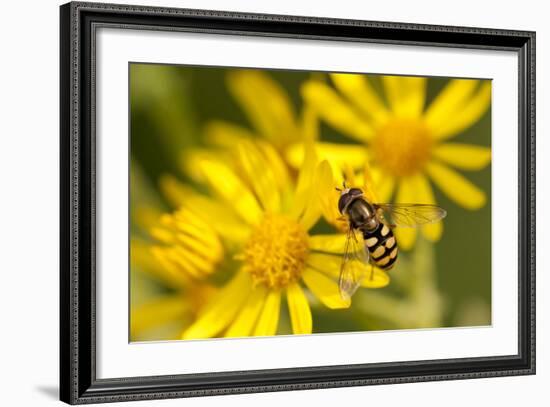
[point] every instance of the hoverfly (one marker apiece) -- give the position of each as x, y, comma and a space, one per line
370, 239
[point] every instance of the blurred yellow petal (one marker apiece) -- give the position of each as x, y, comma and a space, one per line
260, 177
157, 312
456, 187
335, 111
229, 187
219, 216
375, 278
325, 263
405, 237
455, 94
143, 259
325, 288
327, 196
192, 157
467, 115
405, 194
327, 243
367, 183
298, 307
312, 212
310, 124
245, 321
384, 184
305, 181
265, 103
463, 156
277, 166
221, 311
225, 134
196, 234
340, 154
358, 90
425, 195
171, 259
269, 317
406, 95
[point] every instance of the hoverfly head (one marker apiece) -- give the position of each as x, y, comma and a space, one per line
347, 196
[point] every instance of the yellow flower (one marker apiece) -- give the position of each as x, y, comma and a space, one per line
270, 112
405, 143
268, 108
168, 287
162, 315
275, 254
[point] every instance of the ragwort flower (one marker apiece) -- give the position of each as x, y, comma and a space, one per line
405, 143
168, 284
269, 110
276, 256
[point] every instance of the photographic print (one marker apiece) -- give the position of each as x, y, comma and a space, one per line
278, 202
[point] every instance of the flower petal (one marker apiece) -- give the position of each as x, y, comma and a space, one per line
298, 307
312, 212
219, 313
406, 94
327, 243
448, 101
269, 318
375, 278
245, 321
384, 184
305, 181
229, 187
405, 194
266, 104
358, 90
259, 176
336, 111
219, 216
425, 195
277, 165
456, 187
326, 263
225, 134
463, 156
339, 154
328, 199
325, 288
466, 115
309, 124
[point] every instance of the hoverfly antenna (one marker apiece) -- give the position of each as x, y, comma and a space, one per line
338, 189
344, 184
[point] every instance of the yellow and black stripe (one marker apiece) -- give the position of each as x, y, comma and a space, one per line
382, 246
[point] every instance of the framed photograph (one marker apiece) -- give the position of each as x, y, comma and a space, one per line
254, 203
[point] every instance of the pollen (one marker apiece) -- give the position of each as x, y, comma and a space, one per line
402, 147
276, 252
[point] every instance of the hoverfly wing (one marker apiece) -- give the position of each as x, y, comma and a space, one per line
354, 264
410, 215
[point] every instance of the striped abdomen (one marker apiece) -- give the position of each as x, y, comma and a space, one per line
382, 246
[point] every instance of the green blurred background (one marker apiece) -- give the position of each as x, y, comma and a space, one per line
449, 283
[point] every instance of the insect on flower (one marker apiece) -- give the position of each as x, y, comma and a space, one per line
370, 239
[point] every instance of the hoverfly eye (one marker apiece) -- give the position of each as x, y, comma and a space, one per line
355, 192
343, 202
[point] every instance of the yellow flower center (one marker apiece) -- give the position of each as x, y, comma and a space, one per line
276, 252
402, 146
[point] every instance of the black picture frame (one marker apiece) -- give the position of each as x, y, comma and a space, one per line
78, 382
